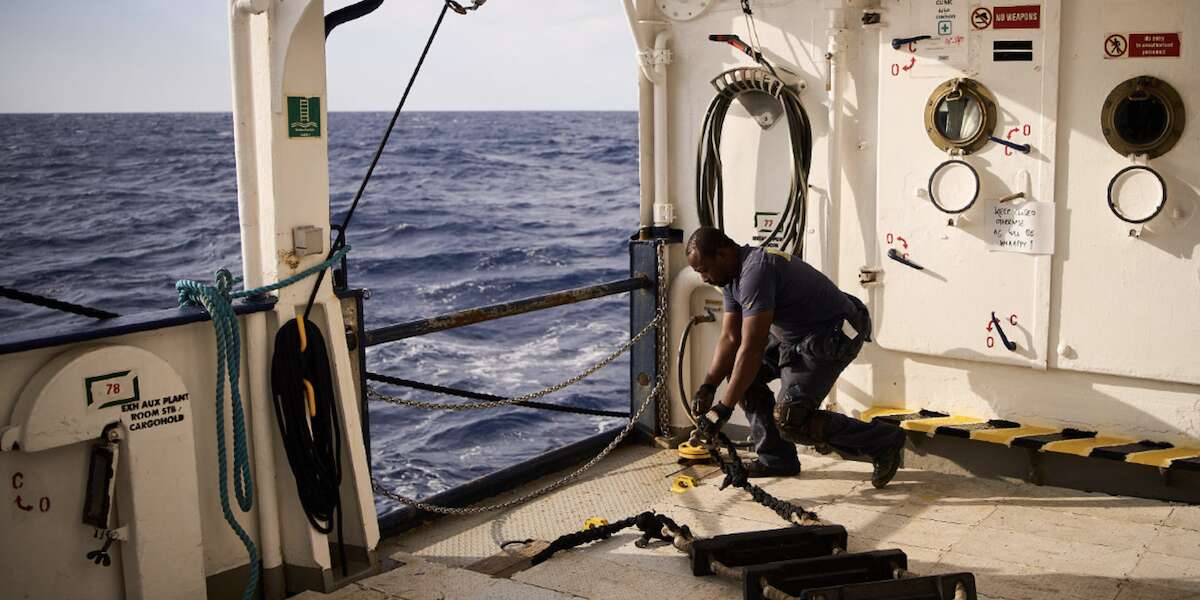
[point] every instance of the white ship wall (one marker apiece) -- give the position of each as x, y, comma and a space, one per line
1105, 325
50, 562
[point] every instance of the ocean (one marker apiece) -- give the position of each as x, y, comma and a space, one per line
465, 209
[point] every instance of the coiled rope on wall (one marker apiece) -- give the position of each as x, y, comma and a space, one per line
788, 232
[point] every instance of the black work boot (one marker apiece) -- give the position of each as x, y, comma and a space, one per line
887, 465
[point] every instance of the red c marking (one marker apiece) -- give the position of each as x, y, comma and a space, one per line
21, 505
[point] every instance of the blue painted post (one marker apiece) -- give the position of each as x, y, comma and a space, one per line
643, 367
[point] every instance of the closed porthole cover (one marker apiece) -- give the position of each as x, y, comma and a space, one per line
1143, 115
960, 115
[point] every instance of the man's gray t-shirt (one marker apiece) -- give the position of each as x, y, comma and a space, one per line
802, 297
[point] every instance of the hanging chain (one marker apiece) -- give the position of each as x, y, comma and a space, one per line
659, 322
661, 360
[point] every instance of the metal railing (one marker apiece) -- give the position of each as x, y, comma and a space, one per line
492, 312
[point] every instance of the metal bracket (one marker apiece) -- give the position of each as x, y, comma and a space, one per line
869, 276
757, 90
652, 58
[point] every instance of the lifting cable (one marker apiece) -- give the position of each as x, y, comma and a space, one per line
341, 237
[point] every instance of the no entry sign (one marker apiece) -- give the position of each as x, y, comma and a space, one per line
1142, 45
1153, 44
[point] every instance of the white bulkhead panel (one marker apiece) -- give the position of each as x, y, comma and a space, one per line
1127, 304
978, 255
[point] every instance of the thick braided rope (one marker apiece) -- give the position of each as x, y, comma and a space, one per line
736, 475
217, 300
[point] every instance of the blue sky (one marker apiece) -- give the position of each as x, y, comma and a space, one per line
152, 55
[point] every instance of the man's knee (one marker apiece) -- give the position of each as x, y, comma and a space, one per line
758, 400
800, 423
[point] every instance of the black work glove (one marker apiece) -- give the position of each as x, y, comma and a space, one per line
711, 422
702, 400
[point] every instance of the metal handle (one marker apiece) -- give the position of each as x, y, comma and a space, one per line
896, 256
1022, 148
897, 43
1012, 346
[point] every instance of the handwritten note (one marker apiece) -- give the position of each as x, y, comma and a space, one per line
1027, 228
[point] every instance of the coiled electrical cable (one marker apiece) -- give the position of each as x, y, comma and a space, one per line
788, 233
305, 408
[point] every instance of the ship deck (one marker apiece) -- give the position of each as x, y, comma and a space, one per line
1021, 541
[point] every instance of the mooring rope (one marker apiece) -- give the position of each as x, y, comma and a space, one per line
736, 475
56, 304
217, 300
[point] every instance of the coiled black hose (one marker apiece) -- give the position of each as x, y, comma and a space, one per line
710, 196
309, 427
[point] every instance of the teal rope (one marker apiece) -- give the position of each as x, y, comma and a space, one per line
217, 300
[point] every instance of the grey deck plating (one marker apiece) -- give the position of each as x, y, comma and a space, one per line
1021, 541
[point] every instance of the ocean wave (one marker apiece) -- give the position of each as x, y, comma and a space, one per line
465, 209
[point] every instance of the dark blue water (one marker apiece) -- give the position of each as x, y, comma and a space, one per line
465, 209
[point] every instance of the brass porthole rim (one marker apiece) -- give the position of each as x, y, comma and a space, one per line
987, 105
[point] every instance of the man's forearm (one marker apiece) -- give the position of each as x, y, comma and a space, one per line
722, 361
745, 369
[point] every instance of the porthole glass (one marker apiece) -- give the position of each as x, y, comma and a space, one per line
1140, 120
960, 115
959, 119
1143, 115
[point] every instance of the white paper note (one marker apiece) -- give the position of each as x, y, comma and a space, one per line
1026, 227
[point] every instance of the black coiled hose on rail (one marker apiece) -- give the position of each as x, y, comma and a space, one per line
309, 426
710, 196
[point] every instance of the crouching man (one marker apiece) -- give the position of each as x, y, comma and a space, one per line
784, 320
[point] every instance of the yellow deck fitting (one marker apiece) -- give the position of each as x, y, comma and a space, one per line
683, 483
1083, 446
883, 411
692, 452
1161, 458
930, 425
1006, 436
594, 522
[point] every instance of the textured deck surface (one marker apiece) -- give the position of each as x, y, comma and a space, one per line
1021, 541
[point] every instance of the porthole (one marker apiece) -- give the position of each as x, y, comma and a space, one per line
1143, 115
960, 115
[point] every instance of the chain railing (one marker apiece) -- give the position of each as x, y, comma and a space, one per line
658, 323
